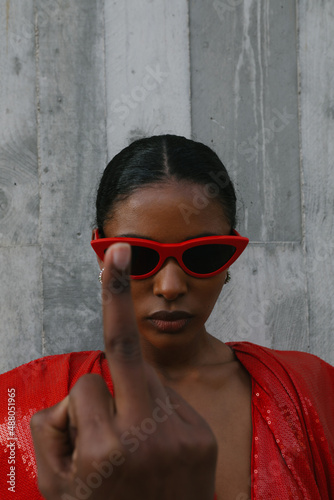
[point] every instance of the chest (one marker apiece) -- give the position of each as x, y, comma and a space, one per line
233, 431
228, 412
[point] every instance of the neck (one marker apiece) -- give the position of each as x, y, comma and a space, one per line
173, 361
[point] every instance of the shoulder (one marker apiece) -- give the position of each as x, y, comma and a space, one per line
296, 389
45, 381
47, 365
301, 378
302, 365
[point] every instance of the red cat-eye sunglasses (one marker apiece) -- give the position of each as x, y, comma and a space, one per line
200, 257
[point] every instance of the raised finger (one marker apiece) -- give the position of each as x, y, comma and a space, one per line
121, 336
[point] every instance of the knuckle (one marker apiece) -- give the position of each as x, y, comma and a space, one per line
194, 448
206, 447
89, 452
124, 347
47, 487
109, 451
163, 452
39, 420
87, 380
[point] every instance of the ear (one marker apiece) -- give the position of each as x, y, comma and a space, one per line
95, 236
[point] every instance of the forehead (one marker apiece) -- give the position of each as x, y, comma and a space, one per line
168, 212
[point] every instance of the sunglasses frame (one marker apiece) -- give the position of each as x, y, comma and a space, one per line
175, 250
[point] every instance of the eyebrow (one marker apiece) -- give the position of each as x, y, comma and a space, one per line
131, 235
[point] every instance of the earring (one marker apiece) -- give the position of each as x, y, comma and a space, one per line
228, 277
100, 275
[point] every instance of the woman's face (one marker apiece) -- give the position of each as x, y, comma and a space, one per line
170, 213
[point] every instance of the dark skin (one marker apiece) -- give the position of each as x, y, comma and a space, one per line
211, 386
203, 370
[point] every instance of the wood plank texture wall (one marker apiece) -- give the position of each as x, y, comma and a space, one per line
80, 79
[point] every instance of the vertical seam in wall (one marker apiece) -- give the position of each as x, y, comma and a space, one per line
260, 107
39, 167
105, 84
190, 68
302, 178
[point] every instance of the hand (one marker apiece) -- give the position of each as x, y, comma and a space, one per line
146, 443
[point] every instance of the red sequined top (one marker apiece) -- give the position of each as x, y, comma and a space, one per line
292, 419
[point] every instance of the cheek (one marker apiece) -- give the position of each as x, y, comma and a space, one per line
209, 290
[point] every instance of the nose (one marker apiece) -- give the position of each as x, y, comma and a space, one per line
170, 281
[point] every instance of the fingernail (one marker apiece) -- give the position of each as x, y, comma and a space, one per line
122, 254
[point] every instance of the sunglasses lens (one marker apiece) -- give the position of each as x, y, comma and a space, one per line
205, 259
143, 260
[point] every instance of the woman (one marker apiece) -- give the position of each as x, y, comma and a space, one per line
172, 200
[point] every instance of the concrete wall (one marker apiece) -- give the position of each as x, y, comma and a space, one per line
251, 78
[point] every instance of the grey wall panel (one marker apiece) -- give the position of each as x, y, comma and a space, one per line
244, 69
73, 93
72, 144
20, 262
20, 305
244, 103
147, 69
316, 25
19, 201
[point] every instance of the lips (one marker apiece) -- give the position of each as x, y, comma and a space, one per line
170, 321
